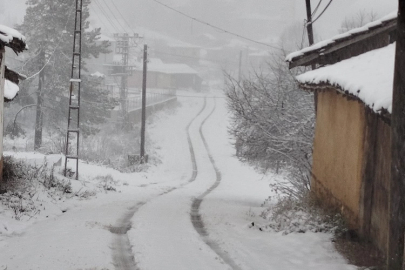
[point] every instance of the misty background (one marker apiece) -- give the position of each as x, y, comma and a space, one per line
261, 20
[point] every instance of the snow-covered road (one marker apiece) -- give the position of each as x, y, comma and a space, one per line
182, 214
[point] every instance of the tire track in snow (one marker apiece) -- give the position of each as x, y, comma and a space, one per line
195, 215
122, 255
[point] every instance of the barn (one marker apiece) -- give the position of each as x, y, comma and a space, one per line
8, 78
353, 84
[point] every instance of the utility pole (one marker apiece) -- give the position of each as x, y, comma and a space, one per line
123, 49
73, 129
124, 43
395, 256
309, 23
39, 115
143, 124
310, 32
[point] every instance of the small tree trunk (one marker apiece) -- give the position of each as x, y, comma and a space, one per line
2, 79
39, 115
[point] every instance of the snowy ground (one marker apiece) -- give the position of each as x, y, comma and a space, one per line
147, 222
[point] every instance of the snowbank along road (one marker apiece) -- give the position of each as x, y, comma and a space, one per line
192, 211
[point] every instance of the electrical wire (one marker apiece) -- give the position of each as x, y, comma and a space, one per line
196, 58
216, 27
317, 18
100, 7
102, 21
303, 34
316, 9
126, 22
50, 56
119, 23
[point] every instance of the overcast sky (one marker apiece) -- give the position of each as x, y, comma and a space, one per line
256, 19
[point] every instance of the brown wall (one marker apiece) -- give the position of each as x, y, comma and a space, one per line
338, 153
377, 175
352, 163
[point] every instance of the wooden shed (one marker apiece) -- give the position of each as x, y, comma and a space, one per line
353, 86
8, 78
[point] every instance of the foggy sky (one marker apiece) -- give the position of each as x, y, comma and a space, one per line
256, 19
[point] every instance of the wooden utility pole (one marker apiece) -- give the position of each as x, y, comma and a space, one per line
39, 115
145, 70
395, 256
310, 32
309, 22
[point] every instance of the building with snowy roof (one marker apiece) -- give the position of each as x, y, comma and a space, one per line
166, 76
9, 79
353, 85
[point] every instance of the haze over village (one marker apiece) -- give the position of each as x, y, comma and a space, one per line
202, 134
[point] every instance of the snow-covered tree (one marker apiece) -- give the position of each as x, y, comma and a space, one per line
273, 121
48, 26
358, 20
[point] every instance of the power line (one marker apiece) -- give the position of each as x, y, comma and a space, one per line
216, 27
108, 7
196, 58
316, 9
100, 7
102, 21
129, 26
50, 56
327, 6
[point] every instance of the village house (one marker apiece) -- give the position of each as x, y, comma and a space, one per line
9, 79
166, 76
353, 86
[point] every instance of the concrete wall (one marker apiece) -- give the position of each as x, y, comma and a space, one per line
338, 153
135, 116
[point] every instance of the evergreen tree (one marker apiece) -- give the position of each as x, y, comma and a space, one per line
48, 26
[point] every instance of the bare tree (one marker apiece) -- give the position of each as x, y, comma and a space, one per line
358, 20
273, 122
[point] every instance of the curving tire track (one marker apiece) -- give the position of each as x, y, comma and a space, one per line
122, 255
195, 215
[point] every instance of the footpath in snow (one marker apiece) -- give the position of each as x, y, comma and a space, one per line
148, 222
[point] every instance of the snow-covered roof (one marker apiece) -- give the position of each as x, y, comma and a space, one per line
325, 43
157, 65
12, 38
368, 77
10, 90
98, 74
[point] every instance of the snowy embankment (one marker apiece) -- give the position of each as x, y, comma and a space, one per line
237, 202
84, 235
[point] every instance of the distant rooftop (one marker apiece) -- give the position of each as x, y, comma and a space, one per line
321, 49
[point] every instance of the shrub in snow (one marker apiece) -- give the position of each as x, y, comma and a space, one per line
14, 130
107, 182
23, 185
289, 215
